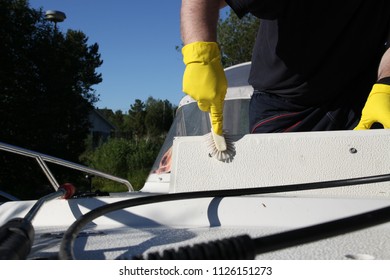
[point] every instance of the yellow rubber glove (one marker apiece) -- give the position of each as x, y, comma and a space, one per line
377, 108
204, 79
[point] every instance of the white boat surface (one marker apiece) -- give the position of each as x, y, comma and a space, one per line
287, 196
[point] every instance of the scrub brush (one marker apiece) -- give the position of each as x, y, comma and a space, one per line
220, 147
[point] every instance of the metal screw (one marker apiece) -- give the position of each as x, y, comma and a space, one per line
352, 150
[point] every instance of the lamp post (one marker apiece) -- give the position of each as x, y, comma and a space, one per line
55, 16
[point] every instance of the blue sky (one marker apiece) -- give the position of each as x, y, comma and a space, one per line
137, 42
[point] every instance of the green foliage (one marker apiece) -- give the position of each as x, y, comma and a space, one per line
236, 38
159, 116
46, 80
136, 120
124, 158
131, 154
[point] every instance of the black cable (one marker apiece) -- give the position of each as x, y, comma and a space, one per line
16, 239
249, 247
67, 243
324, 230
234, 248
17, 235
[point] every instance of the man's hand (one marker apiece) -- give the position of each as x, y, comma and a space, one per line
204, 79
377, 108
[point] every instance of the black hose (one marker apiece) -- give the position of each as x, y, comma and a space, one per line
249, 248
17, 235
324, 230
67, 243
16, 239
234, 248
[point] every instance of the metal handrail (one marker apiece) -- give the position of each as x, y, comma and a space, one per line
43, 158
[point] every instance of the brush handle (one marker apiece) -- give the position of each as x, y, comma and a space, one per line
219, 140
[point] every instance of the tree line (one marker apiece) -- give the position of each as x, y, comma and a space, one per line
46, 94
132, 149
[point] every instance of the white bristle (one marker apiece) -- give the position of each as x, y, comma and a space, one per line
224, 154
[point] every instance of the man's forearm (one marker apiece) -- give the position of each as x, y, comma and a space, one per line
198, 20
384, 66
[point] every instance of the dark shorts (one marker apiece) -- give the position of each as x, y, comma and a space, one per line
270, 113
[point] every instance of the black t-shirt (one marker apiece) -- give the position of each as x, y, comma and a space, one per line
311, 52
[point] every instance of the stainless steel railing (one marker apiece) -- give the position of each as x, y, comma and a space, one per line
42, 159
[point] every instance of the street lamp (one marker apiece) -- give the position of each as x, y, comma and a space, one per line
55, 16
